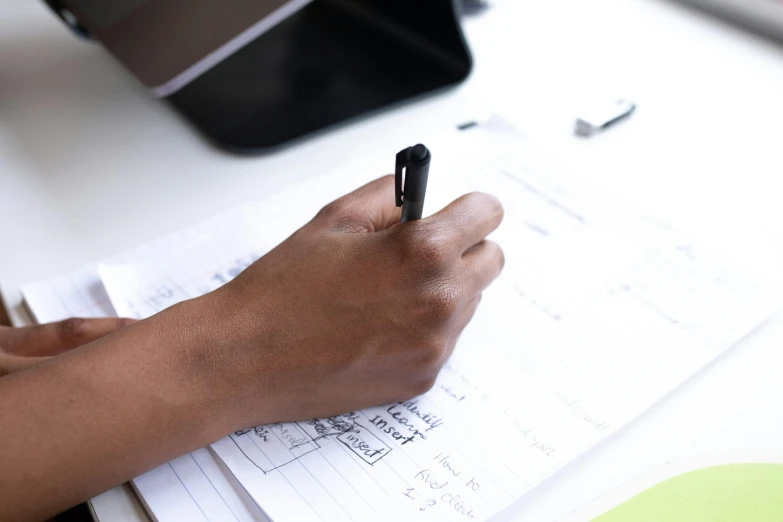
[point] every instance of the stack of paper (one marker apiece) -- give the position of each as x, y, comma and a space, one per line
600, 312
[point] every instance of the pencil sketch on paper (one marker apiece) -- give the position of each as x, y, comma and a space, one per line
276, 445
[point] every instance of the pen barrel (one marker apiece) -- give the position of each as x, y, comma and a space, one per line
412, 211
416, 177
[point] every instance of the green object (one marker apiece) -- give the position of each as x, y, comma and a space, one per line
734, 492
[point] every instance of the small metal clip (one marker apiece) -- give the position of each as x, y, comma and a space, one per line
403, 160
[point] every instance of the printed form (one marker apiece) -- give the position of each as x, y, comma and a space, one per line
600, 312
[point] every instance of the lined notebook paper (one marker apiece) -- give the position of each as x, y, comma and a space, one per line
600, 312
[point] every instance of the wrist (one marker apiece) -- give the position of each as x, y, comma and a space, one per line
208, 352
182, 360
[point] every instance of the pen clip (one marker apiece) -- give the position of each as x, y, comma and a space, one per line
403, 158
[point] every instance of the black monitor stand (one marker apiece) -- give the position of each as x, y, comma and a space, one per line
333, 61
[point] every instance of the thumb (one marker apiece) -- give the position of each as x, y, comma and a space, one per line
55, 338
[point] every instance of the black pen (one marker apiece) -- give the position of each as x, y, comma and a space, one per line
416, 162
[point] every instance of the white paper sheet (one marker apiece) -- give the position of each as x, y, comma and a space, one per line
196, 486
600, 312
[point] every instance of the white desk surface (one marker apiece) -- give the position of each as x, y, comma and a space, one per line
89, 164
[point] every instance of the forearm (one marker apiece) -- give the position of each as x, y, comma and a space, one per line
74, 426
353, 297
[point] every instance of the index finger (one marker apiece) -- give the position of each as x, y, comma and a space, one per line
56, 338
367, 209
467, 221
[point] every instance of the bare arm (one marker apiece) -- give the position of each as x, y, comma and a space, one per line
74, 426
354, 295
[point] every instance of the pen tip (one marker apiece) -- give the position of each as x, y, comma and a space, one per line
419, 153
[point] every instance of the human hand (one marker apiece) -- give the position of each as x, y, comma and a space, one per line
23, 347
355, 309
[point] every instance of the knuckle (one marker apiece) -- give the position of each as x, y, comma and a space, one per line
494, 206
489, 203
71, 331
432, 250
349, 221
497, 254
423, 385
427, 251
442, 303
341, 216
330, 211
430, 356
